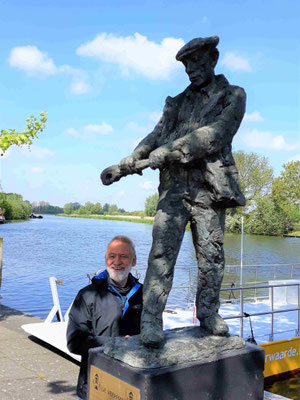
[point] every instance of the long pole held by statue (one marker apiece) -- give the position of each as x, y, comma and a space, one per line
241, 281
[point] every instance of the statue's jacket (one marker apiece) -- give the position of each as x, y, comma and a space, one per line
201, 126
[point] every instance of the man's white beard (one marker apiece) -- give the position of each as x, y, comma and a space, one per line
119, 276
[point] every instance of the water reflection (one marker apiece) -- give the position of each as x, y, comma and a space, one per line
289, 388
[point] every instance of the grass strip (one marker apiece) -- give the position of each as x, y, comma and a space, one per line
116, 218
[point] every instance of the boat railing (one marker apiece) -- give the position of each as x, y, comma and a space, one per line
274, 271
271, 312
231, 292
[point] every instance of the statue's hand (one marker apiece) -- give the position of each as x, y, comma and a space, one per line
159, 157
127, 165
115, 172
111, 174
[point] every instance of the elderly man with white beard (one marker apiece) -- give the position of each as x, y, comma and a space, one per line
110, 306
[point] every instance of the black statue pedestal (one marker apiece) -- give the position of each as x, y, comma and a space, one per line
229, 375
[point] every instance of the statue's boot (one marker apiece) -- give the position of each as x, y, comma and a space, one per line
152, 334
215, 325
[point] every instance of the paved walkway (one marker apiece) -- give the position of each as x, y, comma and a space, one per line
29, 369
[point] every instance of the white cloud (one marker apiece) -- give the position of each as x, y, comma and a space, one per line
37, 63
103, 129
90, 131
36, 170
253, 117
149, 185
31, 60
234, 62
266, 140
135, 53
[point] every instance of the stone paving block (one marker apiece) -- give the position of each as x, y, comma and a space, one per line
10, 369
37, 389
54, 367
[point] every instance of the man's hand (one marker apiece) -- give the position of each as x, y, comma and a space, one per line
159, 157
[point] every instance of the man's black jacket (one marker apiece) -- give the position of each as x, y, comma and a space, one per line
97, 313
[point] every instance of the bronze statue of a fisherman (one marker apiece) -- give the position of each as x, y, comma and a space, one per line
191, 146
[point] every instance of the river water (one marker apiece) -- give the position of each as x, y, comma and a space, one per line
69, 248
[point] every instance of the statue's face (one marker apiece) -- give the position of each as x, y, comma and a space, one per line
200, 69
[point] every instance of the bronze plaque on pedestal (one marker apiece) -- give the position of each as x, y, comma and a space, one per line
104, 386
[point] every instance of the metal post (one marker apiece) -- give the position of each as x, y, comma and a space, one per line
242, 250
56, 310
241, 313
189, 288
241, 284
272, 314
255, 293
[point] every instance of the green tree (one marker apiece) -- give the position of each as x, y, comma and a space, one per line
113, 209
255, 174
33, 129
46, 209
287, 185
83, 211
266, 218
151, 205
105, 208
68, 208
88, 205
96, 209
286, 191
14, 207
76, 206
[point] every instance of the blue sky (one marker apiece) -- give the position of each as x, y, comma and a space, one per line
102, 71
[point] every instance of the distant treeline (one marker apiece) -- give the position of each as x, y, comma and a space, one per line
43, 207
14, 207
90, 208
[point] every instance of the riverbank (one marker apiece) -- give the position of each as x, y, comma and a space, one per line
127, 218
31, 369
146, 220
293, 234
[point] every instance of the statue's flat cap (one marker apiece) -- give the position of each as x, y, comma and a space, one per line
197, 44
